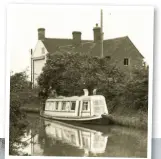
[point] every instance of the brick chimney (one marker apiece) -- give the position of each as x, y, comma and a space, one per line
76, 37
41, 34
97, 33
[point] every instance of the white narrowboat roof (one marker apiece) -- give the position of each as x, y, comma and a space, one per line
74, 98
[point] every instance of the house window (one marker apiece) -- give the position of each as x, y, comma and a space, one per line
126, 61
108, 57
43, 50
73, 105
85, 105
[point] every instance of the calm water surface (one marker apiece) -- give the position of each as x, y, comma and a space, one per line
52, 138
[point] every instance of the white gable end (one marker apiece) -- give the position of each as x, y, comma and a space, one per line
40, 49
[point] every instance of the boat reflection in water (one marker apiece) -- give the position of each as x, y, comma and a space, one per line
89, 140
56, 138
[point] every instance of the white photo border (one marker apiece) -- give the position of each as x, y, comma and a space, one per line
7, 93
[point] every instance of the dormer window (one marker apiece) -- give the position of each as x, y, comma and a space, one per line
108, 57
126, 61
43, 50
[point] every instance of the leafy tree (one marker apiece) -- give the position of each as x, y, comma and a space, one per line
18, 123
136, 90
69, 74
18, 82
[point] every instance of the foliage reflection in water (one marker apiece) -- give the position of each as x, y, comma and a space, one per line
53, 138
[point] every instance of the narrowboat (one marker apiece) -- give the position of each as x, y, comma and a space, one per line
86, 108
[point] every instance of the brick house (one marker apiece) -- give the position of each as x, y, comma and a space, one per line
120, 51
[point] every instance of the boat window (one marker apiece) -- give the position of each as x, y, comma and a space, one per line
56, 106
63, 105
85, 105
68, 106
52, 105
73, 104
60, 105
49, 106
98, 102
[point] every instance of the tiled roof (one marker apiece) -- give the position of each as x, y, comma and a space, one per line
118, 45
52, 44
110, 47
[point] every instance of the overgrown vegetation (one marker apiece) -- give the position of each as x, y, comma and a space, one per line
69, 74
20, 94
136, 90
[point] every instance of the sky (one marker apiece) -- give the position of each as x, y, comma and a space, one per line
23, 20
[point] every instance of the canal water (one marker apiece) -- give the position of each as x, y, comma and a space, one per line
52, 138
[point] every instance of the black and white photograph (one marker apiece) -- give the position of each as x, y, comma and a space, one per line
80, 80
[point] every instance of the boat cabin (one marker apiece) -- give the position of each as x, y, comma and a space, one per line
83, 106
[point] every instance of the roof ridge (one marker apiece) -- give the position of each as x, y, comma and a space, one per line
122, 37
58, 39
66, 39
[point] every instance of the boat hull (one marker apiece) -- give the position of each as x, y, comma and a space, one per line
85, 120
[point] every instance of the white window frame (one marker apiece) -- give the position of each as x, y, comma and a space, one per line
87, 105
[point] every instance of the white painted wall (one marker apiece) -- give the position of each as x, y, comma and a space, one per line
38, 65
39, 51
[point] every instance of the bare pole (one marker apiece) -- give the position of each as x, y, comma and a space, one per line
101, 33
31, 68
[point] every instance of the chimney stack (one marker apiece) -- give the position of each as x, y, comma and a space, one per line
97, 33
41, 34
76, 37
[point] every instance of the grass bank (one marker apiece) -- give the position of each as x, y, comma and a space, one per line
129, 117
135, 121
